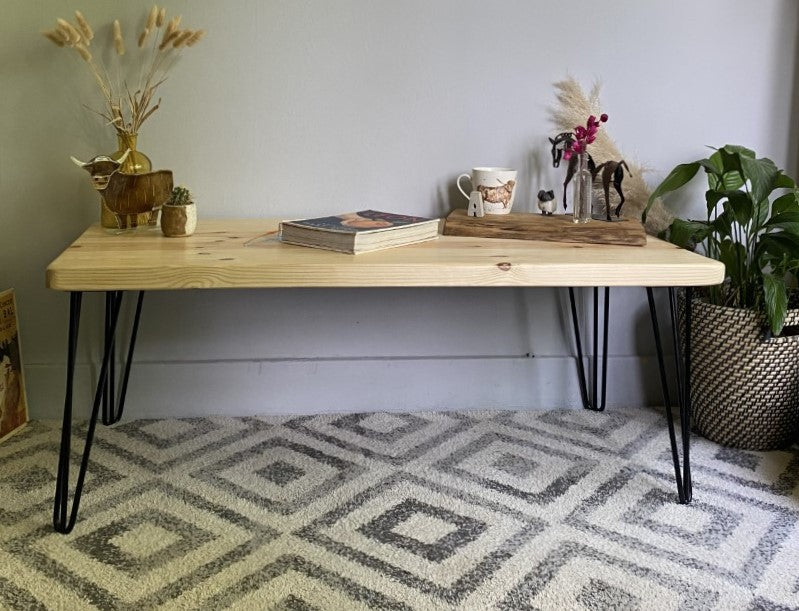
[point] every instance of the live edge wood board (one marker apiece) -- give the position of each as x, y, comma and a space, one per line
554, 228
217, 256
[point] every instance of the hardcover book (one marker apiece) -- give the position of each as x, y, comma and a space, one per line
357, 232
13, 404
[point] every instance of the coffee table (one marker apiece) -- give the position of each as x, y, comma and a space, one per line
246, 253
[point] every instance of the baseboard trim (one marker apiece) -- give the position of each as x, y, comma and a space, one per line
238, 388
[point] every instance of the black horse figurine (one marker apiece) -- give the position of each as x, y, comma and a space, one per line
612, 170
559, 144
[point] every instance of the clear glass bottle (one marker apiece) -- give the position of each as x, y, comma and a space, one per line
583, 190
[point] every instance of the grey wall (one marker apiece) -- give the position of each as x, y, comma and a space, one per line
297, 108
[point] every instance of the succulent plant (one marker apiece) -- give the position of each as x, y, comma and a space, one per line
181, 196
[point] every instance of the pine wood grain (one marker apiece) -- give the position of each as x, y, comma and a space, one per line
216, 257
555, 228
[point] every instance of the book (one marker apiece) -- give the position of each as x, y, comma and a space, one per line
357, 232
13, 403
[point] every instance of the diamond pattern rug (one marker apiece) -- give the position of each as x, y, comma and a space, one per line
442, 510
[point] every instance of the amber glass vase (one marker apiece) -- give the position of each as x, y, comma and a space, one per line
135, 163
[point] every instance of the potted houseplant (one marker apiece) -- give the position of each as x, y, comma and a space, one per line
179, 214
745, 355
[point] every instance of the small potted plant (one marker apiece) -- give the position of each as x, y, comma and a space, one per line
744, 343
179, 214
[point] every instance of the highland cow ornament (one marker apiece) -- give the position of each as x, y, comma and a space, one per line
128, 195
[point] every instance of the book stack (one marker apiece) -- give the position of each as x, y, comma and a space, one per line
357, 232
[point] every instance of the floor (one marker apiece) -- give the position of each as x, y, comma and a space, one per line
559, 509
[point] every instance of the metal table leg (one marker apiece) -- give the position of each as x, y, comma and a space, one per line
683, 371
592, 402
112, 411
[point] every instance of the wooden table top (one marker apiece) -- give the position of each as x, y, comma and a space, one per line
217, 256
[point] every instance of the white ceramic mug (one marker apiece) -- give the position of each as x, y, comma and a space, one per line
496, 185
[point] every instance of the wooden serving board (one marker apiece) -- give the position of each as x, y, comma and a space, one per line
555, 228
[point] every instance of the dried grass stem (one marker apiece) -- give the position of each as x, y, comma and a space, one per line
123, 109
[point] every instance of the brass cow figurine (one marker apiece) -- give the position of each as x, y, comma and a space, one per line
128, 195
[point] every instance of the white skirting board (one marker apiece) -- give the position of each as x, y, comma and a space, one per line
238, 388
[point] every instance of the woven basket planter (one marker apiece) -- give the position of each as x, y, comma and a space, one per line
744, 388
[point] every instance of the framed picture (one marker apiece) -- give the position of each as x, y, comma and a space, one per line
13, 402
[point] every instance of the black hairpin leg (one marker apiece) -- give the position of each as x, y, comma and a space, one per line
683, 370
62, 522
113, 409
592, 402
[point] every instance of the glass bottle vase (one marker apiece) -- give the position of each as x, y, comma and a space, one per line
135, 163
583, 190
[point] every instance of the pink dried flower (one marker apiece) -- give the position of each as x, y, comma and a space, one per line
584, 135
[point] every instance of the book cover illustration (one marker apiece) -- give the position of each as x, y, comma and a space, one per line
13, 404
354, 222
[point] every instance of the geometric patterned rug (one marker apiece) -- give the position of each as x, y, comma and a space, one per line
511, 510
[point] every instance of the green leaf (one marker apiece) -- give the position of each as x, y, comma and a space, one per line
722, 225
716, 161
733, 255
735, 149
761, 213
732, 181
787, 221
732, 177
717, 180
780, 245
686, 234
784, 182
676, 179
776, 300
762, 173
741, 205
785, 203
712, 198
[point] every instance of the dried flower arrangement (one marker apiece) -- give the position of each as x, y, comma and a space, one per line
573, 106
123, 109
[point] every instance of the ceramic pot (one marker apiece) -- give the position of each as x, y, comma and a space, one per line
178, 221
